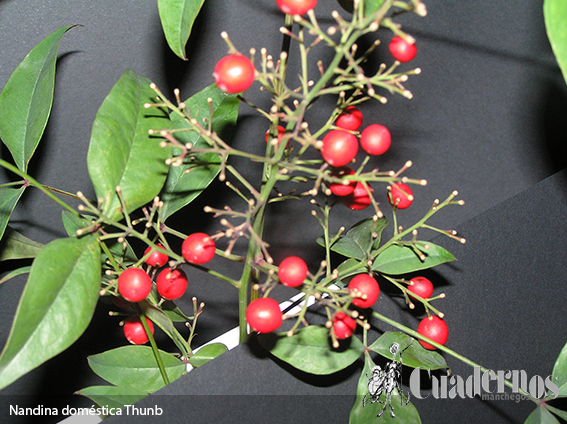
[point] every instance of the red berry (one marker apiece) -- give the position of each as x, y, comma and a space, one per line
343, 326
339, 147
434, 328
171, 283
156, 259
402, 50
281, 133
134, 285
400, 196
421, 286
350, 119
296, 7
292, 271
358, 199
339, 189
134, 330
198, 248
367, 290
264, 315
234, 73
375, 139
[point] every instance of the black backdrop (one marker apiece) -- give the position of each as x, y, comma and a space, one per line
487, 119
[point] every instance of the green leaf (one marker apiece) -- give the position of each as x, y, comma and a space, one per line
555, 16
397, 259
177, 17
163, 321
415, 356
206, 353
184, 183
16, 246
559, 412
136, 367
309, 350
560, 372
27, 97
367, 412
372, 6
349, 264
56, 306
112, 396
360, 239
541, 415
8, 199
173, 312
15, 273
122, 152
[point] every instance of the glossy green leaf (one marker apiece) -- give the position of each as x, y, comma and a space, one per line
414, 356
360, 239
541, 415
555, 16
56, 306
184, 183
173, 312
112, 396
16, 246
136, 367
163, 321
20, 271
122, 152
177, 18
27, 97
397, 259
310, 350
8, 199
560, 372
366, 411
207, 353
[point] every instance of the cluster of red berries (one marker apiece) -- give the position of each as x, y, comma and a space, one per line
340, 146
134, 284
365, 291
264, 314
432, 326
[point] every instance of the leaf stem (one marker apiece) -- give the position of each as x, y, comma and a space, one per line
33, 182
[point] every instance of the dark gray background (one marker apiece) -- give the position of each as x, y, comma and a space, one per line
487, 119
